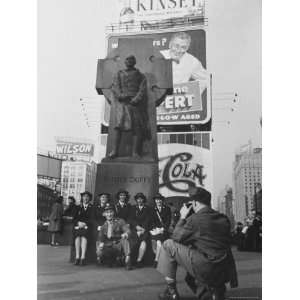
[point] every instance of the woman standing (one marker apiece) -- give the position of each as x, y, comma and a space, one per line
83, 228
161, 223
55, 220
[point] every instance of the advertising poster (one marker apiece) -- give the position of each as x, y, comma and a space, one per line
190, 103
150, 10
181, 166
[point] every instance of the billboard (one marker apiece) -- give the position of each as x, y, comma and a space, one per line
181, 166
155, 10
190, 103
64, 148
48, 167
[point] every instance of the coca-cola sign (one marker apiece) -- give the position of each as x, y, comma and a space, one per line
182, 166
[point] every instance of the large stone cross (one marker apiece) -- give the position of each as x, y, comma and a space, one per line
144, 89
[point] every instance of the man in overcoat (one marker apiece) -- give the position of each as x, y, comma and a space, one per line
201, 245
130, 92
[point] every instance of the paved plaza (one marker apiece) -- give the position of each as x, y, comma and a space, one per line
58, 279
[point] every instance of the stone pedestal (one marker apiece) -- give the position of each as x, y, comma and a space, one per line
133, 176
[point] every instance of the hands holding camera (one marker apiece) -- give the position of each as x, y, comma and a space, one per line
185, 210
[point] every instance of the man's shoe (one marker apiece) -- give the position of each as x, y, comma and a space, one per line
190, 281
169, 294
77, 261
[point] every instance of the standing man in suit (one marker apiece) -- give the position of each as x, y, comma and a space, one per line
201, 244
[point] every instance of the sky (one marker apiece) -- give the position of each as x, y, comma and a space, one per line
71, 38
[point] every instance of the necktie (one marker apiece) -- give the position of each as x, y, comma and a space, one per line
109, 229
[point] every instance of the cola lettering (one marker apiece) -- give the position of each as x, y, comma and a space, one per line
178, 170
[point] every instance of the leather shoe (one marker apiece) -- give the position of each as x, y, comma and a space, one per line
169, 294
77, 261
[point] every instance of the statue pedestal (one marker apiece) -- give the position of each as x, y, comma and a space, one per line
134, 176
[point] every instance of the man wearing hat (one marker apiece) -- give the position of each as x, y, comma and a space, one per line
113, 237
201, 245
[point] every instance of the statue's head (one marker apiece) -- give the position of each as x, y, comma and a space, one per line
130, 61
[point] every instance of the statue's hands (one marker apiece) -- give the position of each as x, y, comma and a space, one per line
124, 98
133, 101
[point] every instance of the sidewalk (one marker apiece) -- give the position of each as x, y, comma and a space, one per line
58, 279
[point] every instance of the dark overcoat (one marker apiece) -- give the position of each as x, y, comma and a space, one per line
123, 212
207, 233
142, 217
87, 216
129, 89
55, 218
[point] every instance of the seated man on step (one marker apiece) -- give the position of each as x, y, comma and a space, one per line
113, 243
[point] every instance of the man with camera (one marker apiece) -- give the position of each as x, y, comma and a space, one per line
200, 243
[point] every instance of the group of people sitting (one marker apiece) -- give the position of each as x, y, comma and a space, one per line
120, 233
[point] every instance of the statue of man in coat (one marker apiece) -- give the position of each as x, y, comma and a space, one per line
130, 91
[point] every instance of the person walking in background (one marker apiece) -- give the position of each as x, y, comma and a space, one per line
83, 230
160, 224
55, 220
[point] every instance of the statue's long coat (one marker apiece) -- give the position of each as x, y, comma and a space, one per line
130, 91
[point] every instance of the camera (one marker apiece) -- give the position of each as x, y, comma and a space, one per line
188, 204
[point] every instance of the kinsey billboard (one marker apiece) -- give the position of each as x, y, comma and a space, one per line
191, 101
149, 10
181, 166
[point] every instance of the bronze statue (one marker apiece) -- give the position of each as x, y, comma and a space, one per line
130, 91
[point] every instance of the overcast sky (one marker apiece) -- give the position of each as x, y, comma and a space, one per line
71, 38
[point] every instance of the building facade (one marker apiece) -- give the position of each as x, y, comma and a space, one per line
77, 176
247, 177
48, 183
225, 203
